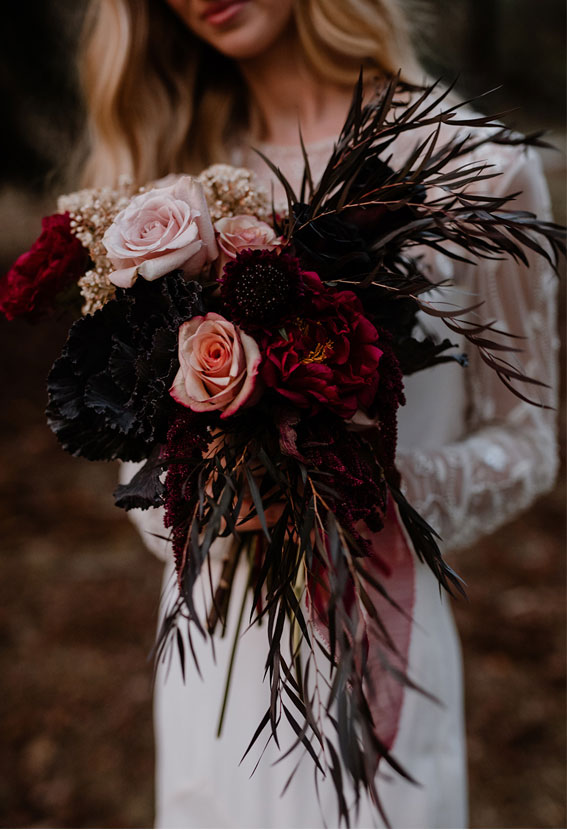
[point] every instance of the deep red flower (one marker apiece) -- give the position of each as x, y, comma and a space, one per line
261, 288
329, 355
183, 451
54, 262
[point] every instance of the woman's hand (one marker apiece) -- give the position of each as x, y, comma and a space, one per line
272, 513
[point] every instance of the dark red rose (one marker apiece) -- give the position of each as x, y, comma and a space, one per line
329, 355
55, 261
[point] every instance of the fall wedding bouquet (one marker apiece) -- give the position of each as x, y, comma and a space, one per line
253, 364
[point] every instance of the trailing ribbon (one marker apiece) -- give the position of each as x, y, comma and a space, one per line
386, 635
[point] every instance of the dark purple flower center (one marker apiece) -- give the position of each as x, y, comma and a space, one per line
261, 291
259, 288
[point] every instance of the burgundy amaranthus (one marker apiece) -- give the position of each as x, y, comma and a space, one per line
187, 441
390, 396
349, 467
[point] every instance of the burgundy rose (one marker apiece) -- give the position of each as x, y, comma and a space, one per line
55, 261
329, 355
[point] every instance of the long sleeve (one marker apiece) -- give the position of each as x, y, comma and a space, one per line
508, 454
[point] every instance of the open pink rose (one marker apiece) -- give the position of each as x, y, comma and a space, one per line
241, 233
218, 366
163, 230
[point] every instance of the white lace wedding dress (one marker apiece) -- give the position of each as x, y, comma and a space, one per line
472, 456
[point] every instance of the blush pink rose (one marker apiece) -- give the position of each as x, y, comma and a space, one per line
218, 366
240, 233
166, 229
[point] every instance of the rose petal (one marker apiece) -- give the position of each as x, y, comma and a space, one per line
253, 361
178, 391
151, 269
165, 229
124, 277
192, 192
218, 365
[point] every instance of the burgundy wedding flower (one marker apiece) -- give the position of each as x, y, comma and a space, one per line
186, 444
261, 288
218, 366
328, 356
54, 262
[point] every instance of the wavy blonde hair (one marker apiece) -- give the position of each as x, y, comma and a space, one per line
160, 100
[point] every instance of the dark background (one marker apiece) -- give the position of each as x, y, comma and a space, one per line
78, 592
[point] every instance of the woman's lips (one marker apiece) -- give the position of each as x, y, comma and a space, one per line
222, 11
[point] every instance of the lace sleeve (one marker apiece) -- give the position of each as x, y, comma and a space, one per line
508, 455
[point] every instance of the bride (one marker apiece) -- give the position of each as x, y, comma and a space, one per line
175, 85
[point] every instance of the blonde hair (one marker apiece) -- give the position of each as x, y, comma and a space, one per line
159, 100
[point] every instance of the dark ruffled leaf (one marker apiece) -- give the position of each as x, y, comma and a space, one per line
109, 390
121, 364
84, 437
105, 398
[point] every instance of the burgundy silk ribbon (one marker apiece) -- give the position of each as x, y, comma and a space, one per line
392, 564
386, 693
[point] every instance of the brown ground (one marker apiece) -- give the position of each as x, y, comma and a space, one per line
78, 599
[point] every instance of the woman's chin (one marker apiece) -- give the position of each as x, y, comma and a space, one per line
239, 29
244, 42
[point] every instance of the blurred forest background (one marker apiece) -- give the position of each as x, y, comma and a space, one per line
79, 593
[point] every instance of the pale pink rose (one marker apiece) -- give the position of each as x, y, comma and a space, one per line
243, 232
163, 230
218, 365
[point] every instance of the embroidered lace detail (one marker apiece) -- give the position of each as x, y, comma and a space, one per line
508, 454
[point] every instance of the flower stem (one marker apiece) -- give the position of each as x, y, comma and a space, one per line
236, 638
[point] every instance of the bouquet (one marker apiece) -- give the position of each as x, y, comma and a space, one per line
253, 364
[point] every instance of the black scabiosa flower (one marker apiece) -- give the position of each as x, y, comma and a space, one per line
261, 288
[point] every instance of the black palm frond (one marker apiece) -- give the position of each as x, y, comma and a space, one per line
368, 219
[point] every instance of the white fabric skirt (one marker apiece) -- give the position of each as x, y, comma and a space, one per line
201, 783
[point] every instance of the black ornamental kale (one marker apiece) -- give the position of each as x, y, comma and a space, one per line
109, 390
